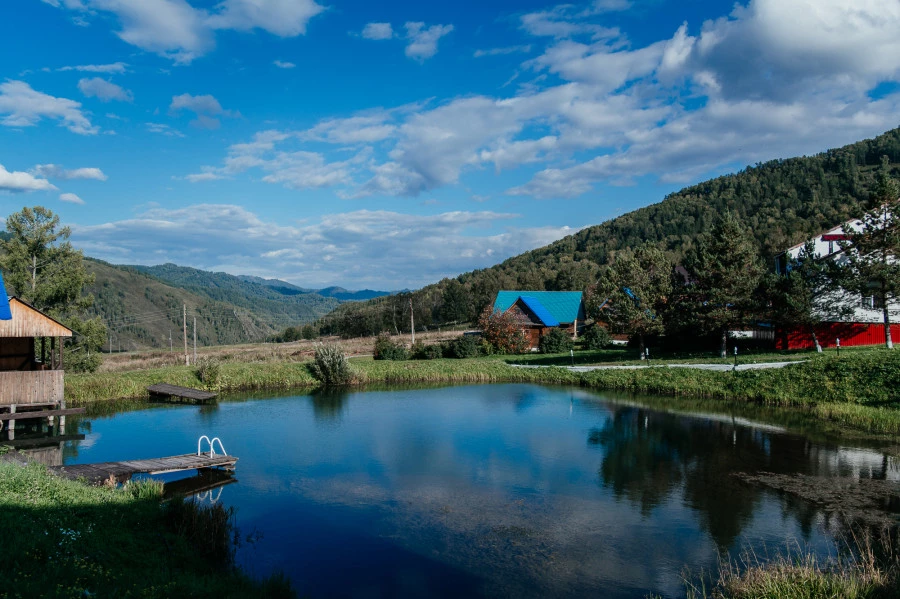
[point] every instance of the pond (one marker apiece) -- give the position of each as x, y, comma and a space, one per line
491, 490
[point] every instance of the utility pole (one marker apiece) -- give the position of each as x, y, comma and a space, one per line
187, 360
412, 322
195, 340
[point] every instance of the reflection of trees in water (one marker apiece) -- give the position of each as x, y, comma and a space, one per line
328, 404
650, 455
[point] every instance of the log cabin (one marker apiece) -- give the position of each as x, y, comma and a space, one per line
540, 311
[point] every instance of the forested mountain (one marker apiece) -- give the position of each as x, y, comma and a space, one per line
280, 298
142, 308
784, 202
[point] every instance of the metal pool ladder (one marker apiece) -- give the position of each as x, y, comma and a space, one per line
212, 451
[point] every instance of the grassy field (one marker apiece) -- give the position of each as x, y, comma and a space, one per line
859, 389
66, 539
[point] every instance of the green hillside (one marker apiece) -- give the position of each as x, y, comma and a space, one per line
783, 201
281, 302
142, 310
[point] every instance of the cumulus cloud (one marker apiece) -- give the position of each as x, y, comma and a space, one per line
55, 171
116, 68
379, 249
104, 90
205, 108
179, 31
378, 31
422, 40
18, 181
281, 64
71, 198
25, 107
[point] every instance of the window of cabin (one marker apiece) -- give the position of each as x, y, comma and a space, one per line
867, 302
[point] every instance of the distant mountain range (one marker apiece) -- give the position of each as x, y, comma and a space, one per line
144, 304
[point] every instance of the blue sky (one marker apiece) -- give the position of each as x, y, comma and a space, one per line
388, 145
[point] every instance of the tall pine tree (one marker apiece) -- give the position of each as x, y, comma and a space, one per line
726, 271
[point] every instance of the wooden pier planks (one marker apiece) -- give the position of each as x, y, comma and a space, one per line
39, 414
100, 472
167, 390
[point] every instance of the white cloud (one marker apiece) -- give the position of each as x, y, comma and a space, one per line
284, 18
70, 198
204, 176
204, 107
54, 171
423, 41
283, 64
164, 129
18, 181
104, 90
117, 68
564, 21
378, 31
25, 107
181, 32
378, 249
352, 130
502, 51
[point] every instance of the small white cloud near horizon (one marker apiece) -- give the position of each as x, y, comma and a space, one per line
104, 90
377, 249
71, 198
163, 129
283, 64
54, 171
18, 182
378, 31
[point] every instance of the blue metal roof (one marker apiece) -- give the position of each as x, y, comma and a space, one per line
5, 314
562, 306
539, 310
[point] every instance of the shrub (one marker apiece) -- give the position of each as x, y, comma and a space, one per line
596, 337
555, 341
385, 349
466, 346
207, 370
309, 332
502, 331
420, 351
81, 361
330, 366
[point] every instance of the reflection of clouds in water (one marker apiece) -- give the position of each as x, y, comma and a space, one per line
540, 544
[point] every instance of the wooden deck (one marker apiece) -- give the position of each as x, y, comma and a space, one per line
183, 393
122, 471
39, 414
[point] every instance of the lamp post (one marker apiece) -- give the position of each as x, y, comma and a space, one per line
838, 340
735, 358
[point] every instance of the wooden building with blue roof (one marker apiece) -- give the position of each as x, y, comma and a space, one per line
540, 311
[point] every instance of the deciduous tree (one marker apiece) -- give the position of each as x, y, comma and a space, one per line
630, 293
42, 268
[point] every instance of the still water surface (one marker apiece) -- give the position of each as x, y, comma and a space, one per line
490, 490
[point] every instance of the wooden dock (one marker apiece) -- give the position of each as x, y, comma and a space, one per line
123, 471
180, 393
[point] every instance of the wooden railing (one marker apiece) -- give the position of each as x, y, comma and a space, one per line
31, 387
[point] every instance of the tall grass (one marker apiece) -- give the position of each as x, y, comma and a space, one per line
869, 569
